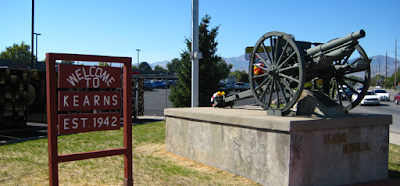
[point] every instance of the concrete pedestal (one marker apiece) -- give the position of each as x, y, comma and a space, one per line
274, 150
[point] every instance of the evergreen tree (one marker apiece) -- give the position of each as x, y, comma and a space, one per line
212, 68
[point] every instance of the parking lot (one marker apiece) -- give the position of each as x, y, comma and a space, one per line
157, 100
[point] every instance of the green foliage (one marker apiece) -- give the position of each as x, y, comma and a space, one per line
17, 52
67, 62
134, 67
159, 68
104, 64
377, 80
212, 68
241, 76
144, 66
173, 66
308, 85
390, 80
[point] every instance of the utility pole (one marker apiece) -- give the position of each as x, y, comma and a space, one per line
380, 72
395, 64
376, 74
386, 71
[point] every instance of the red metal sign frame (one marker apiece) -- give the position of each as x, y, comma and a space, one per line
52, 116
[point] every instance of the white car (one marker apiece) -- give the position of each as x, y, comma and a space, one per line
382, 94
370, 98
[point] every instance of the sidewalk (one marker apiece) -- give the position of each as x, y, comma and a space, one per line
394, 138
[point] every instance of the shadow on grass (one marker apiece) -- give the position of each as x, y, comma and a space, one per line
143, 121
394, 174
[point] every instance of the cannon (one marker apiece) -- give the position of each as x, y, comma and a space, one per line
281, 67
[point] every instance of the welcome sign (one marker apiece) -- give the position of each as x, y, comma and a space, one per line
78, 76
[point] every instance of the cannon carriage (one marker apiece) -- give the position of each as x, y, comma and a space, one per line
281, 67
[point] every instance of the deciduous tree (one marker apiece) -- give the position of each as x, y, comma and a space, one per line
17, 52
104, 64
144, 66
159, 68
173, 66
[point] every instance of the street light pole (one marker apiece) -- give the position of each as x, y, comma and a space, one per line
137, 88
195, 54
138, 58
33, 19
37, 34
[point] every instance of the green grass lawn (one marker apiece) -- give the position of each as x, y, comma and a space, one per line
26, 163
394, 161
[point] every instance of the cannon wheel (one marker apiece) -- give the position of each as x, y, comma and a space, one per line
276, 72
355, 73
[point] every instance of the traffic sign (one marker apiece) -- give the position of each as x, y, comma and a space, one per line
260, 51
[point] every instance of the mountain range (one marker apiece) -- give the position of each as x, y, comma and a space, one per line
240, 63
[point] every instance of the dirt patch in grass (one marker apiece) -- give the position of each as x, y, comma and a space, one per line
217, 176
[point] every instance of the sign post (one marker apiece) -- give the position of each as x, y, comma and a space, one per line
93, 77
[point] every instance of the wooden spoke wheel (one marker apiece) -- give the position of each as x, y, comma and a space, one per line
276, 72
351, 78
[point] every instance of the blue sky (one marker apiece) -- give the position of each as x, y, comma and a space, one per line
159, 28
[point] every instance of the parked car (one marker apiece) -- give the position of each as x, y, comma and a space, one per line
370, 98
148, 86
239, 86
383, 95
396, 98
247, 86
153, 83
228, 86
161, 84
221, 86
225, 86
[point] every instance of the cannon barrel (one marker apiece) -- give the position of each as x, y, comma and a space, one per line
336, 42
